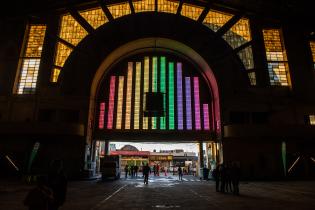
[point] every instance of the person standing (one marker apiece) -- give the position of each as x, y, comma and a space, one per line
215, 175
146, 171
180, 173
126, 171
136, 171
222, 173
235, 176
57, 181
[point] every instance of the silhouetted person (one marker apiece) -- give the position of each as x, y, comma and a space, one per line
57, 181
222, 173
132, 169
228, 178
215, 175
235, 177
136, 170
180, 173
154, 170
40, 197
126, 171
146, 171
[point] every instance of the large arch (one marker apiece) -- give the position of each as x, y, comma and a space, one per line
133, 33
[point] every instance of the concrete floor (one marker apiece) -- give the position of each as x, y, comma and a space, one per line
169, 193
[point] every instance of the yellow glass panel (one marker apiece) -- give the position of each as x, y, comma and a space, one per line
167, 6
273, 44
71, 30
246, 55
120, 101
35, 41
119, 10
312, 44
191, 11
55, 75
252, 78
239, 34
144, 5
129, 93
137, 96
28, 77
279, 73
95, 17
215, 19
62, 53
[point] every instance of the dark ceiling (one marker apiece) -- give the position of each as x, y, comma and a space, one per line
279, 9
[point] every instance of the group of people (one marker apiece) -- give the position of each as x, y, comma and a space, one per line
227, 177
131, 170
50, 191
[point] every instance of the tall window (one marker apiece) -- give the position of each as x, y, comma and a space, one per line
30, 59
276, 57
312, 44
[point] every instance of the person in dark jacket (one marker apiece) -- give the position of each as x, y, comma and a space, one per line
146, 171
235, 177
57, 181
215, 175
40, 197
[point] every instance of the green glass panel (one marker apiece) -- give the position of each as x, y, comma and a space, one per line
171, 113
163, 90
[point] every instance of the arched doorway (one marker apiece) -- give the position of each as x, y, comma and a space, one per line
189, 95
99, 52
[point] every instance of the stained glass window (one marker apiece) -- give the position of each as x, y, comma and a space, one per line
276, 56
62, 53
72, 32
144, 5
191, 11
215, 19
119, 10
167, 6
246, 56
31, 59
95, 17
238, 34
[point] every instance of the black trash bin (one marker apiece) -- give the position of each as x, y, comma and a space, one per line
205, 173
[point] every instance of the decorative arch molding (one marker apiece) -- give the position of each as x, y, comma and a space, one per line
78, 72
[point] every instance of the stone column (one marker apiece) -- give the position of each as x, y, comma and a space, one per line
201, 164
